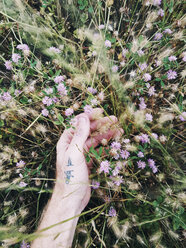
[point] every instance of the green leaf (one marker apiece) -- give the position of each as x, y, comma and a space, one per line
100, 150
1, 123
60, 118
57, 122
90, 10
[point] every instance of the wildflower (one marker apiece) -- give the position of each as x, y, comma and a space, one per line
132, 74
172, 58
102, 26
140, 53
151, 91
148, 117
22, 184
94, 102
151, 162
142, 66
154, 135
183, 116
162, 138
114, 68
24, 245
95, 184
59, 79
118, 180
161, 12
47, 101
62, 89
142, 104
141, 164
126, 141
124, 154
88, 109
115, 145
124, 52
147, 77
171, 74
184, 58
69, 111
49, 91
158, 36
140, 154
6, 96
156, 2
158, 62
17, 92
107, 43
15, 57
55, 50
112, 212
23, 47
104, 166
45, 112
116, 171
101, 96
167, 31
8, 64
92, 90
20, 164
144, 138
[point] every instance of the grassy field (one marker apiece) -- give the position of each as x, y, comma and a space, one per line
61, 58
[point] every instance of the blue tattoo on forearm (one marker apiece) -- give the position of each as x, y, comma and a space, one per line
68, 176
69, 172
69, 162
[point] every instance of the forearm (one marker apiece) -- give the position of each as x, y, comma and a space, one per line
60, 208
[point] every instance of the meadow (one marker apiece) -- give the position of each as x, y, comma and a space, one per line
62, 58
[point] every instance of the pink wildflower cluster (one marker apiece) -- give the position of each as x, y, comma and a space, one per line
59, 79
92, 90
55, 50
62, 89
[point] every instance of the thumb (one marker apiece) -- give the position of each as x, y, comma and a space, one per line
82, 132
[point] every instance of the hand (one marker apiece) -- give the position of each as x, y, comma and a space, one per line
72, 191
72, 169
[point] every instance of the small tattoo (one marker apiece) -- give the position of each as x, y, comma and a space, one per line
68, 176
69, 162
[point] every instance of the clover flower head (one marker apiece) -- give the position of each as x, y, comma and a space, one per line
141, 164
15, 57
147, 77
59, 79
108, 43
148, 117
105, 166
88, 109
45, 112
69, 111
124, 154
112, 212
171, 74
182, 117
95, 184
158, 36
8, 64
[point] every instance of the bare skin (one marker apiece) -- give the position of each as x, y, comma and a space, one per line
72, 190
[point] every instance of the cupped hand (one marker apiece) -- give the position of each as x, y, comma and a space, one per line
72, 170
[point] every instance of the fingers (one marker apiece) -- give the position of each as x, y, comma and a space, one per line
96, 140
95, 114
65, 140
105, 120
82, 132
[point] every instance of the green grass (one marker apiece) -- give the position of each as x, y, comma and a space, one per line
149, 206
